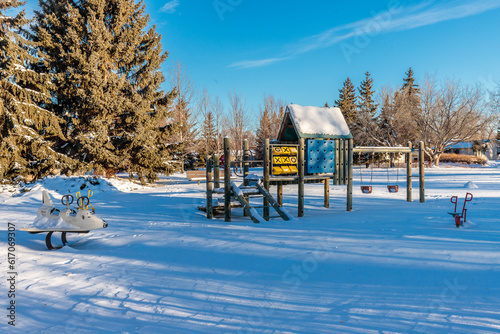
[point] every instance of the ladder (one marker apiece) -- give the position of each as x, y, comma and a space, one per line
240, 192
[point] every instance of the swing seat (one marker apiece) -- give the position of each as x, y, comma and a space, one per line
393, 188
366, 189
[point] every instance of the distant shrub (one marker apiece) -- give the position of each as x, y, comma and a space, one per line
463, 159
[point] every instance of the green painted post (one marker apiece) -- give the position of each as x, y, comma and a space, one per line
349, 174
408, 174
267, 148
246, 158
337, 168
301, 177
341, 162
421, 171
227, 181
210, 211
216, 171
346, 161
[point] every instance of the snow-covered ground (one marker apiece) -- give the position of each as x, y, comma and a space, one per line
388, 266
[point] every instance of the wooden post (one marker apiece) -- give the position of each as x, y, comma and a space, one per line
327, 192
280, 194
408, 174
266, 177
246, 158
210, 211
421, 163
216, 171
227, 181
346, 161
337, 156
349, 174
341, 162
301, 166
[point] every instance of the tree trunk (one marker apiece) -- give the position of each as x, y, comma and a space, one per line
437, 156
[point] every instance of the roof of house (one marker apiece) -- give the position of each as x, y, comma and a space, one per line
313, 123
460, 145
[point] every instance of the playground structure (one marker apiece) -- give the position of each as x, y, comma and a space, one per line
305, 152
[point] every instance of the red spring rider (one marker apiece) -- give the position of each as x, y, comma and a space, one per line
459, 215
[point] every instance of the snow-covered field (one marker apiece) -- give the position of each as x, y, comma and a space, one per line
161, 267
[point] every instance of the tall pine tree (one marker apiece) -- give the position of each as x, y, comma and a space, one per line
410, 87
347, 102
27, 130
407, 102
107, 78
367, 108
366, 103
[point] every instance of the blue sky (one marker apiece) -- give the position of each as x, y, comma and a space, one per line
302, 51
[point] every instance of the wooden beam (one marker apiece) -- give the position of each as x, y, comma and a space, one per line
408, 174
421, 171
266, 172
370, 149
210, 211
301, 167
349, 175
227, 181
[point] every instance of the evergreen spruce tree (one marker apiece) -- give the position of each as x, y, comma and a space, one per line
367, 108
347, 102
410, 87
28, 131
107, 79
386, 121
408, 105
366, 103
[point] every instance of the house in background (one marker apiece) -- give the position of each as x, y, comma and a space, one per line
489, 148
492, 149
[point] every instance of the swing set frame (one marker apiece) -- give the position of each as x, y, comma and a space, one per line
409, 151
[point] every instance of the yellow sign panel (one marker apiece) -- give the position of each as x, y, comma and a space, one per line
285, 170
284, 150
282, 156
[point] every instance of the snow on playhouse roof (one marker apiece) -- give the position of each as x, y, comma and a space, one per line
313, 122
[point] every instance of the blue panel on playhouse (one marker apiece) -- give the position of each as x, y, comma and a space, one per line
320, 156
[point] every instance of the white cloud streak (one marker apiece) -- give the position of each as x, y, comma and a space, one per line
170, 7
395, 18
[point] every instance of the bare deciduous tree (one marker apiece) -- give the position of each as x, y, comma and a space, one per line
207, 132
237, 122
393, 126
450, 113
271, 115
218, 111
183, 107
495, 103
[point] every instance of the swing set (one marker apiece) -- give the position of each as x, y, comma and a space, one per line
393, 187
